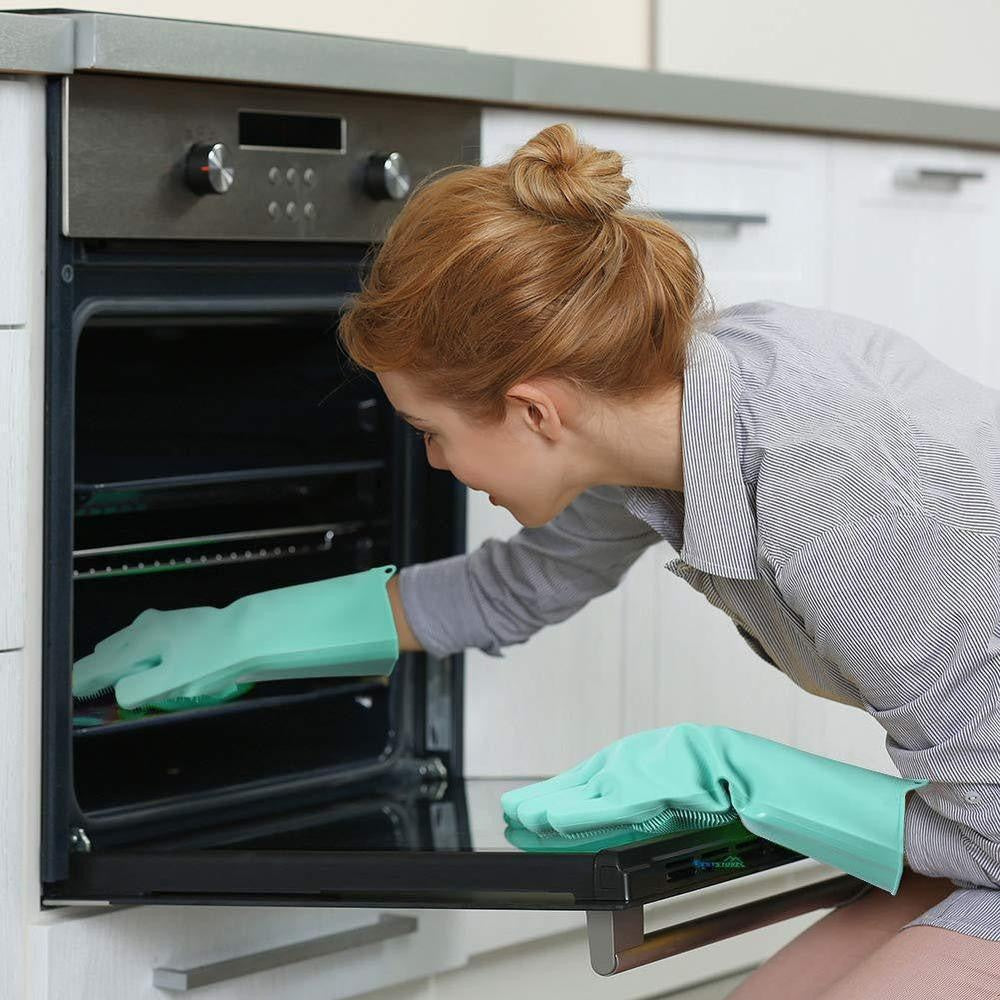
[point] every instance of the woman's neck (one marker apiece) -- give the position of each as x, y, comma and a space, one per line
640, 444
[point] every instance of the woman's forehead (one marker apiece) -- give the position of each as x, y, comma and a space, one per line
406, 399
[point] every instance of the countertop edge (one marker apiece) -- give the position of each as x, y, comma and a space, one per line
119, 43
36, 44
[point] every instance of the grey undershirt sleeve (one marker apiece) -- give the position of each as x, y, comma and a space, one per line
503, 592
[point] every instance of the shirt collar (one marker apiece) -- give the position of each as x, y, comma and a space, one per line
720, 529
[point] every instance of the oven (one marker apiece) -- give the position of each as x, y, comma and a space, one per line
206, 438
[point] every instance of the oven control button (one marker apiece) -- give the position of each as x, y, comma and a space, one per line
207, 170
387, 176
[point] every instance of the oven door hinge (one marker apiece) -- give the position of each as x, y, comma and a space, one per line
428, 774
433, 777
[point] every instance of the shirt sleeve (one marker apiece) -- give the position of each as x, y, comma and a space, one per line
907, 608
506, 590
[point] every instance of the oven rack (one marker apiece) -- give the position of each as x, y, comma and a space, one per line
202, 552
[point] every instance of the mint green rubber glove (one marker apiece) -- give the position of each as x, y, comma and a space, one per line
662, 780
340, 627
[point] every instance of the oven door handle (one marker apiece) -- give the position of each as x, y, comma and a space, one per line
387, 927
618, 941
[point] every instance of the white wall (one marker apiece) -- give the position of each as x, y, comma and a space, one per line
590, 31
941, 50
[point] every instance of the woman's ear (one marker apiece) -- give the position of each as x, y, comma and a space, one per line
539, 408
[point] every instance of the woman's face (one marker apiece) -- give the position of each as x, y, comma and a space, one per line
520, 463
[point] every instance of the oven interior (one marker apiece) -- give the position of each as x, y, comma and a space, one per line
217, 449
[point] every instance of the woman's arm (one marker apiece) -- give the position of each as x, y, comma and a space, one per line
408, 642
504, 591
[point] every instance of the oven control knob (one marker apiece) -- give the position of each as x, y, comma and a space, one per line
387, 176
207, 170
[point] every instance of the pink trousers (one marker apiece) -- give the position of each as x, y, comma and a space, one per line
859, 952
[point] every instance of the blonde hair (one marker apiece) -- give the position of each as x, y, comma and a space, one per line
490, 275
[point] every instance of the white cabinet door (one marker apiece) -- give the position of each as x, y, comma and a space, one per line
551, 701
14, 442
113, 956
22, 263
751, 203
22, 178
655, 652
558, 697
19, 783
920, 255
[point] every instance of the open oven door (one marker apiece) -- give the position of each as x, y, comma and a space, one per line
442, 844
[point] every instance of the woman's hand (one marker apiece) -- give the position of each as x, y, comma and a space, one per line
667, 779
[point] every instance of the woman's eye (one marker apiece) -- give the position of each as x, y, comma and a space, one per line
426, 436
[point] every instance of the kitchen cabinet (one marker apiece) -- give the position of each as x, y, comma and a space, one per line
655, 652
124, 954
18, 792
549, 701
21, 166
915, 244
750, 202
819, 221
14, 351
22, 177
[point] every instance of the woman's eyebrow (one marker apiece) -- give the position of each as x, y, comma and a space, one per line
406, 416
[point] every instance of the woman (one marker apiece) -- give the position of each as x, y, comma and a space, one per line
827, 483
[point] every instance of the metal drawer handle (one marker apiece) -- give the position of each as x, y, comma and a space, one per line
183, 980
934, 177
618, 941
725, 218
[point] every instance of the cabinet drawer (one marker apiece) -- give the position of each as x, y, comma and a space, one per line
750, 202
914, 242
113, 956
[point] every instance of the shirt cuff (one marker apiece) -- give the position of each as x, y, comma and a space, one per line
934, 846
441, 608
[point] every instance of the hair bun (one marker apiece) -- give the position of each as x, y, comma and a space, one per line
555, 175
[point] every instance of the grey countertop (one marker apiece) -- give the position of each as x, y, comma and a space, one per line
65, 42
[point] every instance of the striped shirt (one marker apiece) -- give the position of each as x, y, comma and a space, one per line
841, 504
